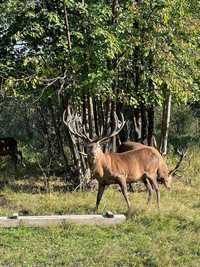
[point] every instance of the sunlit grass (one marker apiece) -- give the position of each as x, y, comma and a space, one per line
169, 236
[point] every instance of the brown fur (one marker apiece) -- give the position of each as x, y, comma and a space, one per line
117, 168
163, 171
126, 164
122, 168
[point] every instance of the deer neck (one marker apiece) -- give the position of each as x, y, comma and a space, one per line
97, 163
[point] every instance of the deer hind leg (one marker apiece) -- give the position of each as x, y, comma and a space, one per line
123, 187
156, 187
101, 190
149, 190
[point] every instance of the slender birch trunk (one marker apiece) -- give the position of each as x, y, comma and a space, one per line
150, 136
143, 123
165, 123
91, 117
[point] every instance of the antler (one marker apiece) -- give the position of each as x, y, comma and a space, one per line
118, 127
72, 122
182, 155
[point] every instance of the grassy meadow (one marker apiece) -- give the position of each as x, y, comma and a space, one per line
151, 237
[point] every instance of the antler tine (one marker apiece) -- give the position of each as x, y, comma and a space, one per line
116, 129
70, 123
182, 155
75, 124
85, 134
65, 122
116, 122
101, 131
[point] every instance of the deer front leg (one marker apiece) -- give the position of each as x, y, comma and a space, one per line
101, 189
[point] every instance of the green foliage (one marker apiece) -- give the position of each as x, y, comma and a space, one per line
157, 40
58, 53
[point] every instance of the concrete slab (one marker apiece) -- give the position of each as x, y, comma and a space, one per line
53, 220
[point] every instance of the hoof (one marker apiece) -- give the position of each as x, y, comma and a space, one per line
109, 214
13, 216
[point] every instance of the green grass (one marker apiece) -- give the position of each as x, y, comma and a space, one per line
151, 237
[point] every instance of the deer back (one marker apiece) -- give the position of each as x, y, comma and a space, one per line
132, 164
129, 145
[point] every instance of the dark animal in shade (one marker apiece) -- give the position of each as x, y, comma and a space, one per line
8, 147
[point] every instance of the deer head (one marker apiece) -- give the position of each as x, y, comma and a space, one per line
92, 146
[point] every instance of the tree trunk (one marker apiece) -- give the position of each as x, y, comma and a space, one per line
115, 6
85, 112
137, 124
66, 21
46, 133
165, 123
143, 123
101, 113
113, 110
107, 121
150, 137
91, 117
65, 106
79, 161
107, 113
58, 134
96, 117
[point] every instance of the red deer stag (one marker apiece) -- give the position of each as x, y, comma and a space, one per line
8, 147
164, 175
117, 168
